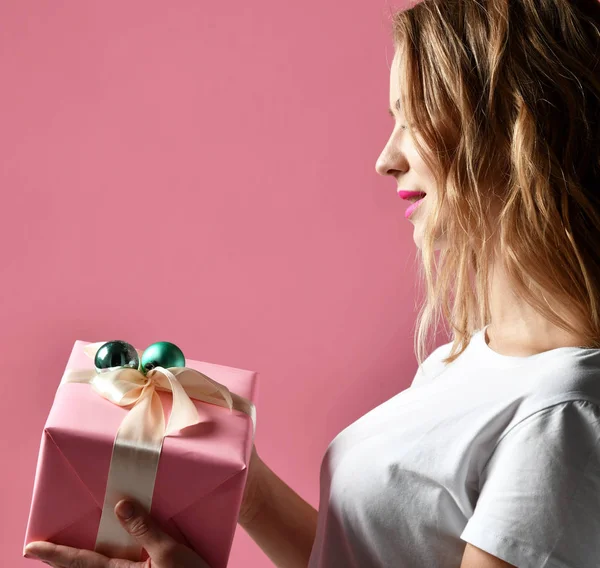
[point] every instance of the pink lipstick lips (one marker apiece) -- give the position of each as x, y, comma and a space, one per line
411, 195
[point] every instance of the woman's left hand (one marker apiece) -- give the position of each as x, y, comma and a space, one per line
163, 551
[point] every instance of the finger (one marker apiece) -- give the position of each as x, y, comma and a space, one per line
144, 529
59, 556
66, 556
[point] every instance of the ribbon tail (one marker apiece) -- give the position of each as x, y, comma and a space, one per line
132, 473
219, 394
183, 411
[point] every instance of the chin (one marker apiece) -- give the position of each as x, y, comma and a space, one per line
438, 244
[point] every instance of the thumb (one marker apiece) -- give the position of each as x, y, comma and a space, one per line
144, 529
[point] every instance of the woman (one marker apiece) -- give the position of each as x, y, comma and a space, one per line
492, 457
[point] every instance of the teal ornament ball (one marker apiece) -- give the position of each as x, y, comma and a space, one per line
162, 354
116, 354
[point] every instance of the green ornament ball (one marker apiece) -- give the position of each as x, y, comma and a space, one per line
162, 354
116, 354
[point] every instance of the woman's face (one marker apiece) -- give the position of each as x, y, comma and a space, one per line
401, 160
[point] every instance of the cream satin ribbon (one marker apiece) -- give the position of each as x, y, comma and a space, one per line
139, 439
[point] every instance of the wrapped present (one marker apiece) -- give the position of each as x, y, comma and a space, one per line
177, 439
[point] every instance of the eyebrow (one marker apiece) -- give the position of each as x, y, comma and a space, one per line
396, 106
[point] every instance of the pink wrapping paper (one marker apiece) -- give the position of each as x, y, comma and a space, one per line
200, 479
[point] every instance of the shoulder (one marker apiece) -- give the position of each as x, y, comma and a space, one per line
539, 493
433, 364
573, 420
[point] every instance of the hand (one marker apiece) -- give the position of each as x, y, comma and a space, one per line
163, 551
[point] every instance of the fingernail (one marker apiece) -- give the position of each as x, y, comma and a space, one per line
28, 551
124, 509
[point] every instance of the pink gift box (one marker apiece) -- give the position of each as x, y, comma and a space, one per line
200, 478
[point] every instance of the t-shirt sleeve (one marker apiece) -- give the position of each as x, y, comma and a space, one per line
539, 501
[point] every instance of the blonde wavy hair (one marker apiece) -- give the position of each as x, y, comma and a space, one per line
507, 93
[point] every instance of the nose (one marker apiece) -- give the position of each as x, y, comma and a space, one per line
391, 160
383, 168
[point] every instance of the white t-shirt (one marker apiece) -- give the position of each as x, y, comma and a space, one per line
502, 452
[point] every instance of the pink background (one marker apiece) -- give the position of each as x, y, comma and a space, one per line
202, 173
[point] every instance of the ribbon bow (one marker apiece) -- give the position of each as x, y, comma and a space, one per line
139, 439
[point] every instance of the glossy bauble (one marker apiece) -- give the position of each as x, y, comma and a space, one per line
116, 354
162, 354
